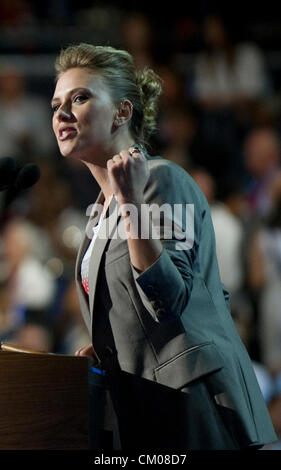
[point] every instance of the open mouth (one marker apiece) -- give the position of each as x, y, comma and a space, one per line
67, 133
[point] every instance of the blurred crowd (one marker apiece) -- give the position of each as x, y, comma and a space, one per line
219, 118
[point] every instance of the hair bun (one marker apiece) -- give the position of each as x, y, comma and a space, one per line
150, 87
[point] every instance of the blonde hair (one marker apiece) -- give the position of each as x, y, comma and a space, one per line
123, 81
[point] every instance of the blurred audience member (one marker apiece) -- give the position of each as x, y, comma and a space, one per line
265, 278
229, 78
24, 120
227, 215
138, 38
16, 13
7, 318
71, 332
186, 31
52, 208
206, 183
173, 93
28, 283
227, 73
177, 133
33, 336
262, 162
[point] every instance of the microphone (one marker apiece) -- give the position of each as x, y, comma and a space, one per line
15, 178
8, 172
27, 177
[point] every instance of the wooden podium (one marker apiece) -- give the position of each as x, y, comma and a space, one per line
43, 400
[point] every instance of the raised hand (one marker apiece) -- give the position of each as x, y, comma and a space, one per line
128, 174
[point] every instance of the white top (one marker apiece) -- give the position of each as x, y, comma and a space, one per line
86, 259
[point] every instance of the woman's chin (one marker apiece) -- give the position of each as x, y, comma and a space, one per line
68, 152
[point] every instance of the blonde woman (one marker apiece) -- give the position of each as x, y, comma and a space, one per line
175, 368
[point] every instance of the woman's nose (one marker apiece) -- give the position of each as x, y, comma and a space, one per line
64, 113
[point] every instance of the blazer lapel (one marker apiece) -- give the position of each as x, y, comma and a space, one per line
84, 300
107, 227
86, 241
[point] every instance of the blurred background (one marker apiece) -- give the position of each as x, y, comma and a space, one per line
219, 118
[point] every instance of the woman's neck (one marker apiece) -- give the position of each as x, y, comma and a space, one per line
100, 174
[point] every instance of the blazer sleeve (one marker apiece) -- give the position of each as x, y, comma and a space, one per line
166, 285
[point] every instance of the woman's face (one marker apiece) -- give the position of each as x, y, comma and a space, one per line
83, 114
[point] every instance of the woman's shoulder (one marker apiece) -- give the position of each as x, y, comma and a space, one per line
160, 165
171, 177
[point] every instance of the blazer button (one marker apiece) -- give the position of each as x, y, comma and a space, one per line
156, 303
108, 352
149, 289
160, 312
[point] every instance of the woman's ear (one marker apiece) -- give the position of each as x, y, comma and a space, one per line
124, 113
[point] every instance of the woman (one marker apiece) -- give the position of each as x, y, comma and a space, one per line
177, 372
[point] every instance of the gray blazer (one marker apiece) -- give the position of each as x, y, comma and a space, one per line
171, 324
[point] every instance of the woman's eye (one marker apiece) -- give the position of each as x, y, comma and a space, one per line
55, 107
80, 98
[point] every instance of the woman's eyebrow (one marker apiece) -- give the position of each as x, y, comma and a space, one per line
55, 99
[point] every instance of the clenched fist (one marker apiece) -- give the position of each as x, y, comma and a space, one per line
128, 174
